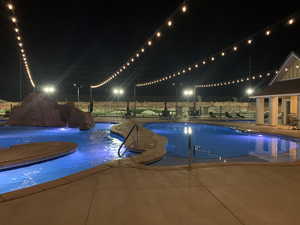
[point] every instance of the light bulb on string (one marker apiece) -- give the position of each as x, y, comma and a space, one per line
14, 19
291, 21
10, 6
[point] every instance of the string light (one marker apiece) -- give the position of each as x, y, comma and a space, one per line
183, 8
14, 20
233, 82
291, 21
10, 6
248, 41
268, 32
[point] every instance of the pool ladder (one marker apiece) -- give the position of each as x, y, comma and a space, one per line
135, 126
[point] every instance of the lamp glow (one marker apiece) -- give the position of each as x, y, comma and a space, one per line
291, 21
188, 131
49, 89
249, 91
10, 6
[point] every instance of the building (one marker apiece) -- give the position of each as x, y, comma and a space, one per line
283, 91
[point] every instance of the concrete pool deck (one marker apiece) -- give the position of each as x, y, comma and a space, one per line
127, 193
230, 195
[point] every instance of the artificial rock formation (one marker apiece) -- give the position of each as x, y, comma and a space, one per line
38, 109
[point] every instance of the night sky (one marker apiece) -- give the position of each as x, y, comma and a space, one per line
85, 41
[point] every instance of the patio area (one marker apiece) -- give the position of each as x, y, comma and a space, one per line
207, 194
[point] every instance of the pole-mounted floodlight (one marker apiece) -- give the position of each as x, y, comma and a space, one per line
250, 91
49, 89
118, 91
188, 92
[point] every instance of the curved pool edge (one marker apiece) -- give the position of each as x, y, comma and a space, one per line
35, 153
151, 150
138, 161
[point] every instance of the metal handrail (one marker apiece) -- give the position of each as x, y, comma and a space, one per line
130, 132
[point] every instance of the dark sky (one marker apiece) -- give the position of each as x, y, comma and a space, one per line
84, 41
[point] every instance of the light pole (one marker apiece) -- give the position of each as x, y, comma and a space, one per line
91, 108
78, 86
188, 131
188, 93
118, 92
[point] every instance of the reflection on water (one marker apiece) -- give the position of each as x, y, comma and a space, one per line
95, 147
276, 149
215, 142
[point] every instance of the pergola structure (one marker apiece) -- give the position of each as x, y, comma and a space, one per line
284, 88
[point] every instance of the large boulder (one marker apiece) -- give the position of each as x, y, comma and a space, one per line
38, 109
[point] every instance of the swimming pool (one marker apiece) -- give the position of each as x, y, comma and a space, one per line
219, 143
95, 147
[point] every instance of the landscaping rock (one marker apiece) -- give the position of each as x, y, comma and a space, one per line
38, 109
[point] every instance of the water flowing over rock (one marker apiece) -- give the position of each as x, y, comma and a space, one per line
38, 109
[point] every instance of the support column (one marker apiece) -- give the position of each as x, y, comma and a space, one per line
260, 109
273, 115
294, 104
284, 111
298, 112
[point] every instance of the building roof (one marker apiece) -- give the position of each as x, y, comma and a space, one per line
282, 85
280, 88
288, 59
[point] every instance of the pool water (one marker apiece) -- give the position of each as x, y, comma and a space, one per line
95, 147
224, 143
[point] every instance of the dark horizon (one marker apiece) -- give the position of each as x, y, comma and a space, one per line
84, 42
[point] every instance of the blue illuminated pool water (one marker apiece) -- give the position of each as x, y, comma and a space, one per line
225, 143
95, 147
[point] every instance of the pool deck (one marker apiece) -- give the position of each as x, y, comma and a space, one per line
230, 195
123, 193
